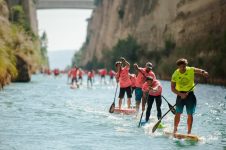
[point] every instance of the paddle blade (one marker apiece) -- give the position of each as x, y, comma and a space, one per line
172, 109
156, 126
112, 108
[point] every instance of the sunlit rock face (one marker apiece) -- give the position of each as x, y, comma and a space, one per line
29, 7
152, 23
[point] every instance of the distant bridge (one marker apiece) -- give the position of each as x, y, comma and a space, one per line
65, 4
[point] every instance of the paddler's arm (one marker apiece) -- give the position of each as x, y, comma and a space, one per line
173, 89
124, 62
154, 89
201, 72
136, 67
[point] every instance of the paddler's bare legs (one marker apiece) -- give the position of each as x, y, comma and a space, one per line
189, 123
137, 106
128, 102
120, 103
176, 122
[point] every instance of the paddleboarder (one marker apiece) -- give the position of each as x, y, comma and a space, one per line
122, 76
73, 74
182, 82
153, 88
140, 79
90, 76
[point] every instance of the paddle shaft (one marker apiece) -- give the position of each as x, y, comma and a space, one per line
146, 101
192, 88
115, 92
143, 111
111, 110
116, 87
140, 119
166, 100
117, 84
170, 106
167, 112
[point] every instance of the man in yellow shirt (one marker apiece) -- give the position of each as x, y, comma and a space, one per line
182, 84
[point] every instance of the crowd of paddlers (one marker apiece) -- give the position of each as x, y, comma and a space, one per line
146, 86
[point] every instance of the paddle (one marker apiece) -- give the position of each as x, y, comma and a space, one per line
140, 119
159, 121
170, 106
143, 111
112, 108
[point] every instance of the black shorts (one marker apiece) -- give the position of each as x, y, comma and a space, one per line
74, 79
127, 90
132, 89
189, 102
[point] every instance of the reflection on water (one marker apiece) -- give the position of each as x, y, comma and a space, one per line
47, 114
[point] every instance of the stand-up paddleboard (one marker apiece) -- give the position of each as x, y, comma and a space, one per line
74, 86
191, 137
127, 111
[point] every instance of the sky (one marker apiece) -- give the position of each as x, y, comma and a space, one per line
66, 32
60, 59
65, 28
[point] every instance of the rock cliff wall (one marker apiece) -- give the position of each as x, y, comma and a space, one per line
19, 45
151, 22
29, 10
192, 25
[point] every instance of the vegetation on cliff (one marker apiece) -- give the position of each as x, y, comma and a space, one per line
129, 48
44, 46
16, 40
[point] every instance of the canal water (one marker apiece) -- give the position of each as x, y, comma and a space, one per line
46, 114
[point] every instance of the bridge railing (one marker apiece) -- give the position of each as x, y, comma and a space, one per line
65, 4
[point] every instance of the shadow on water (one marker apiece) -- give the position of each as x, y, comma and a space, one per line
8, 104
